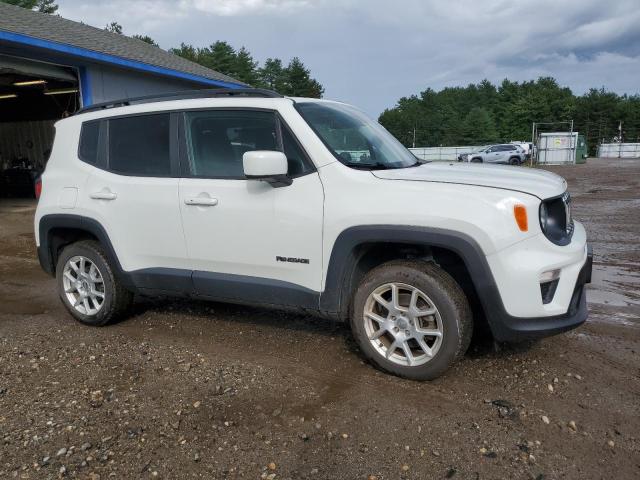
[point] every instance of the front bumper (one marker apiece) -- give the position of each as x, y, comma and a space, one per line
509, 328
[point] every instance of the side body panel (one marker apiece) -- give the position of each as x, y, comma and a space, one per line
254, 230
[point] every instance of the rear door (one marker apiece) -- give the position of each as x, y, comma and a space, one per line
247, 240
133, 192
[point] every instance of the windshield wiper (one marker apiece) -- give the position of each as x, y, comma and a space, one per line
417, 164
369, 166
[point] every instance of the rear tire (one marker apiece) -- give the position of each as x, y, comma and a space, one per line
514, 161
426, 327
87, 285
476, 160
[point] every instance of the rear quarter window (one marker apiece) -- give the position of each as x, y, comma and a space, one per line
88, 148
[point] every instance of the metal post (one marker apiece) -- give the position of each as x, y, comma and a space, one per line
533, 143
572, 151
620, 139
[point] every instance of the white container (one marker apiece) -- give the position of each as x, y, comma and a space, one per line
557, 148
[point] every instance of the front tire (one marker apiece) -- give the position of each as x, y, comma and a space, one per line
411, 319
87, 285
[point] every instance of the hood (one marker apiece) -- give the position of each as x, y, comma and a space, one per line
536, 182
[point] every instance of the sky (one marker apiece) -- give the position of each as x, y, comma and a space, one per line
372, 52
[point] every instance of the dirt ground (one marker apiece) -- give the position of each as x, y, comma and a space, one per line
186, 389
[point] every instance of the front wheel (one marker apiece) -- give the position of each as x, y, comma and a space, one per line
411, 319
87, 285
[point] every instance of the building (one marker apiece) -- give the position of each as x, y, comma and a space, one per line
50, 67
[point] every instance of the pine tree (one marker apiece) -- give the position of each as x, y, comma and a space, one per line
146, 39
272, 75
245, 68
186, 51
219, 56
299, 82
478, 128
114, 27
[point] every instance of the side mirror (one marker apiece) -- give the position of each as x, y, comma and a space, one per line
268, 166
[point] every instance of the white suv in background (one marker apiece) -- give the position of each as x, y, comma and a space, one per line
249, 197
507, 153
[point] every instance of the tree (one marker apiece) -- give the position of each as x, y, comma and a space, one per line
186, 51
478, 128
484, 113
219, 56
272, 75
295, 79
245, 68
298, 81
43, 6
114, 27
146, 39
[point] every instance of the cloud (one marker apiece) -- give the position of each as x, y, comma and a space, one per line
372, 52
246, 7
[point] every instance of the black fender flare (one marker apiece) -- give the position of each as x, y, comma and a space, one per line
335, 298
77, 222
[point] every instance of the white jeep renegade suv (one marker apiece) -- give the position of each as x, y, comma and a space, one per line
246, 196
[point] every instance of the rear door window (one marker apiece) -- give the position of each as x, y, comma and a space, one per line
140, 145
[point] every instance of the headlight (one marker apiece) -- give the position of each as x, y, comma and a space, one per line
555, 219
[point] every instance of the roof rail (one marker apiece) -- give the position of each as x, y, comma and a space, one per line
183, 95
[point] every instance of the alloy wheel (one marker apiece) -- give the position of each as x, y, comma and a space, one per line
83, 285
403, 324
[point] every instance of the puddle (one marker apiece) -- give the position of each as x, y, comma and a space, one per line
614, 285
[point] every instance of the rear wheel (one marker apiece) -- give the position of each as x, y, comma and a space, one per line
476, 160
411, 319
514, 161
87, 285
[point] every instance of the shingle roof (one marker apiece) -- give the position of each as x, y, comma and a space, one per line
60, 30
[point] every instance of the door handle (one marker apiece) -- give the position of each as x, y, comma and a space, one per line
201, 201
105, 194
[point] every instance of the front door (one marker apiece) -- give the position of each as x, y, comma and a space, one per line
247, 240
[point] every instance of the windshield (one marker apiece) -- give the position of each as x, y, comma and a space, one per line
354, 139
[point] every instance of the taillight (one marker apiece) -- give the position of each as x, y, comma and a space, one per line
38, 187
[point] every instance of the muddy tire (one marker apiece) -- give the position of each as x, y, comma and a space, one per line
87, 285
411, 319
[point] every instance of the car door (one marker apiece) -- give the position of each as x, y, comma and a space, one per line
246, 239
133, 192
493, 154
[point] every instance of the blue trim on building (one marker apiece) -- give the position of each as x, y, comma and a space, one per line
85, 87
111, 59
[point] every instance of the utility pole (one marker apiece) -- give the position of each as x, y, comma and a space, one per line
414, 135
